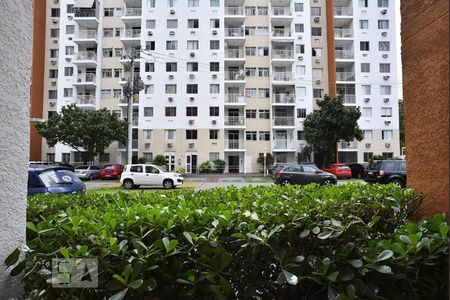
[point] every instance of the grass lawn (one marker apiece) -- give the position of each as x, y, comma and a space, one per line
115, 188
259, 179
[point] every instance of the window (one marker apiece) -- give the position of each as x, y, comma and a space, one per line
263, 72
250, 51
387, 155
365, 67
250, 113
213, 111
214, 45
150, 24
151, 170
386, 135
367, 134
150, 45
317, 52
385, 68
148, 156
317, 72
70, 29
366, 89
171, 45
192, 23
149, 89
300, 49
250, 93
151, 3
108, 32
250, 10
250, 72
108, 12
54, 33
300, 135
53, 73
367, 156
68, 71
263, 10
383, 3
54, 53
250, 30
172, 23
171, 88
149, 67
171, 3
117, 73
171, 111
385, 89
300, 70
383, 46
264, 136
263, 51
171, 67
70, 8
68, 92
105, 94
263, 93
263, 30
386, 112
192, 67
52, 94
118, 52
191, 111
383, 24
117, 93
117, 32
301, 113
364, 46
213, 156
299, 28
170, 134
191, 134
192, 89
148, 111
214, 3
213, 134
107, 52
363, 3
214, 88
318, 93
298, 7
363, 24
250, 135
193, 3
214, 23
316, 31
214, 67
366, 112
264, 114
106, 73
55, 12
192, 45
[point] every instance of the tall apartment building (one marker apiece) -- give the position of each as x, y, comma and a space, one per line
227, 79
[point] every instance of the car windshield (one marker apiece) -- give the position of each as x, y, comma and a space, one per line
82, 167
160, 168
343, 168
111, 167
58, 177
310, 169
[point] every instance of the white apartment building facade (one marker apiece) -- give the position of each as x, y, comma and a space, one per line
224, 79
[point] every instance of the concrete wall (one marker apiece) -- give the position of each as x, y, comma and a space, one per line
15, 57
425, 77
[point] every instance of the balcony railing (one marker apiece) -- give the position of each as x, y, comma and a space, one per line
345, 54
345, 76
234, 120
281, 32
343, 33
86, 34
125, 100
234, 10
234, 53
85, 13
283, 98
87, 77
85, 100
282, 144
85, 55
349, 99
351, 145
131, 33
282, 53
135, 121
132, 12
235, 75
283, 121
234, 144
343, 11
282, 76
234, 98
234, 32
281, 11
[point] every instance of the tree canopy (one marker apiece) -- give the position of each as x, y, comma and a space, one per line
89, 132
333, 122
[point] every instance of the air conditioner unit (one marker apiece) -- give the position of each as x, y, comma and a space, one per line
170, 99
192, 54
388, 145
368, 145
147, 145
171, 76
387, 122
68, 59
52, 103
300, 58
366, 100
385, 56
69, 17
191, 122
171, 32
386, 77
55, 41
316, 19
191, 76
384, 33
56, 1
55, 21
386, 100
364, 54
318, 81
191, 145
169, 145
172, 11
149, 76
191, 98
214, 32
317, 61
53, 82
384, 11
53, 62
299, 37
214, 76
214, 122
150, 33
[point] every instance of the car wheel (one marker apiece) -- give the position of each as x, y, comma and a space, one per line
168, 184
285, 181
91, 177
128, 184
327, 181
397, 183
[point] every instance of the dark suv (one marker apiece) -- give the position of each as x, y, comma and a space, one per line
386, 171
303, 174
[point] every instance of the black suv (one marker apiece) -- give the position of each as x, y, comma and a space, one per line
303, 174
386, 171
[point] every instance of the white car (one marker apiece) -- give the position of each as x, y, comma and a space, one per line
149, 175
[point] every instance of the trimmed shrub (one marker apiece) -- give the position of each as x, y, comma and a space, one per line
219, 165
270, 242
159, 160
205, 167
180, 170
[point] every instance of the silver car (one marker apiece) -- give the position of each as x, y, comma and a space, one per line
88, 172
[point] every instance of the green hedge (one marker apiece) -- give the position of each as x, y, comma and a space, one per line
341, 242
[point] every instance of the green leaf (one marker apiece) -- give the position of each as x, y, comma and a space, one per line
188, 237
32, 227
316, 230
351, 291
112, 241
383, 269
332, 276
357, 263
324, 235
225, 261
443, 229
215, 223
12, 258
405, 239
290, 278
136, 284
64, 252
238, 235
119, 296
18, 268
297, 259
118, 277
304, 233
332, 294
149, 285
386, 254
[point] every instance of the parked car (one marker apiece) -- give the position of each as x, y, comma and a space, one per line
112, 171
45, 179
340, 170
387, 171
357, 170
303, 174
136, 175
88, 172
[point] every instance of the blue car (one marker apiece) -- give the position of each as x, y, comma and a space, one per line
44, 179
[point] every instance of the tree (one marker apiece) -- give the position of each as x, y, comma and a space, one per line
269, 159
333, 122
402, 122
89, 132
159, 160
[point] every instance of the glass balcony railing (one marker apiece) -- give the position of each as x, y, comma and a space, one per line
283, 121
281, 11
282, 76
281, 32
85, 100
234, 10
85, 55
234, 120
282, 53
283, 98
85, 13
234, 98
132, 12
282, 144
345, 54
235, 75
343, 33
131, 33
345, 76
234, 53
86, 77
346, 145
349, 99
343, 11
234, 32
234, 144
86, 34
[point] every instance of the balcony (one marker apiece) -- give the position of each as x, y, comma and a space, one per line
86, 16
282, 54
235, 53
236, 76
86, 58
123, 102
281, 11
86, 37
343, 11
348, 146
345, 54
234, 144
283, 121
343, 33
281, 33
283, 145
86, 79
345, 76
282, 76
283, 99
131, 37
349, 99
86, 101
132, 16
234, 32
234, 99
234, 121
234, 12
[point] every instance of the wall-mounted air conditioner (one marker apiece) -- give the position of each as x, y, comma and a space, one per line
387, 122
55, 21
214, 32
192, 54
214, 76
55, 41
317, 61
300, 58
70, 17
316, 19
384, 11
52, 103
191, 98
368, 145
191, 122
386, 100
384, 33
386, 77
149, 76
172, 32
364, 54
147, 145
169, 145
172, 11
385, 56
191, 145
171, 76
214, 122
318, 81
56, 1
150, 33
53, 62
387, 145
191, 76
53, 82
299, 37
170, 99
366, 100
68, 59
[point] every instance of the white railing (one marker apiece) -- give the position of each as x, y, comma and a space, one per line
234, 120
132, 12
283, 121
235, 75
131, 33
234, 144
345, 76
87, 77
281, 11
349, 99
234, 32
281, 32
345, 54
86, 34
351, 145
85, 55
85, 100
234, 10
282, 53
282, 76
283, 98
343, 11
282, 144
234, 98
343, 33
85, 13
234, 53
